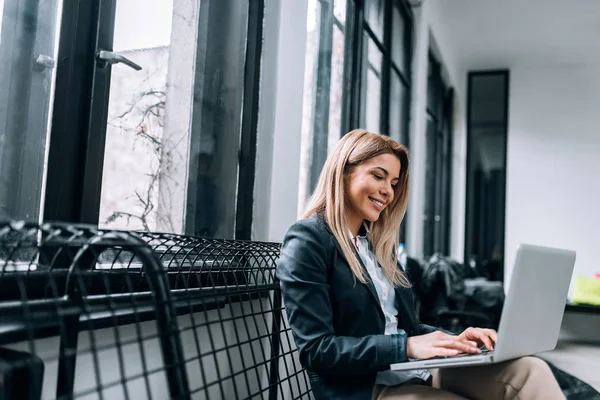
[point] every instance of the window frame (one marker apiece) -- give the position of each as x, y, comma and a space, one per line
438, 201
79, 119
470, 248
356, 27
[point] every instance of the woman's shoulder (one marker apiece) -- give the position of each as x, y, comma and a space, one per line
313, 227
306, 243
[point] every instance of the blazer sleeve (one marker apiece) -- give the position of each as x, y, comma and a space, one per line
302, 271
425, 329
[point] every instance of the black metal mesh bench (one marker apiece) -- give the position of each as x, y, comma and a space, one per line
235, 337
87, 313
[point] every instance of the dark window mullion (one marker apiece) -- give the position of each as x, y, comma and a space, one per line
439, 137
247, 168
353, 59
382, 48
373, 69
341, 26
77, 137
400, 74
449, 143
405, 11
96, 132
384, 119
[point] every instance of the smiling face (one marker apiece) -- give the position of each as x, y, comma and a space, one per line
370, 189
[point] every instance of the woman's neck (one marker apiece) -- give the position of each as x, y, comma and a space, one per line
354, 225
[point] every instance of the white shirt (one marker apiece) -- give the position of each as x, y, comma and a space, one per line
387, 301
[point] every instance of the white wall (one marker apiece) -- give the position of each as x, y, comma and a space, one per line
280, 119
553, 183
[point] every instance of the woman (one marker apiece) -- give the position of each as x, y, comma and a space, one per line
350, 306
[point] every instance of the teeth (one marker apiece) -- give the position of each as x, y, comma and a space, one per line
380, 204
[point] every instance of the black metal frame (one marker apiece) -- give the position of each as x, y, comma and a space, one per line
449, 131
247, 169
70, 282
97, 279
76, 154
352, 69
468, 213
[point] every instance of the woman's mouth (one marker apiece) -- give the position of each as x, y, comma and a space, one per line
377, 203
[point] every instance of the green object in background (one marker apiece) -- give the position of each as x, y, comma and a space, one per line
586, 291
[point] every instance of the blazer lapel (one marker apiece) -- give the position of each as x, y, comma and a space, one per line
369, 284
406, 312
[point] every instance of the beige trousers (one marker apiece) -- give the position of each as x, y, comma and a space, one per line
527, 378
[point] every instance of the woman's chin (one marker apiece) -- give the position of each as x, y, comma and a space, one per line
372, 217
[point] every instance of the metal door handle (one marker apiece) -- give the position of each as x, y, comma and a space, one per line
115, 58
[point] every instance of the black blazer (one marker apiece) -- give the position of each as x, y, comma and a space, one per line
336, 320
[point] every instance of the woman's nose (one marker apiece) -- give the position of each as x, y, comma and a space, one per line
386, 191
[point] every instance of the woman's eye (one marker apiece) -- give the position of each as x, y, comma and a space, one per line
378, 177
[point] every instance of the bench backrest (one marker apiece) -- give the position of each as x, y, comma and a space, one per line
86, 312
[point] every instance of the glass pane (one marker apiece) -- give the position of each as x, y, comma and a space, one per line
372, 86
399, 45
339, 10
488, 98
28, 50
398, 109
174, 128
486, 189
336, 90
310, 70
374, 12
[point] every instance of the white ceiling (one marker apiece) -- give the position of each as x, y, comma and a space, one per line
509, 33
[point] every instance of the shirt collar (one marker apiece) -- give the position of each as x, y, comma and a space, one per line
363, 232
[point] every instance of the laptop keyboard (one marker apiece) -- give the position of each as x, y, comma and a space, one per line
484, 352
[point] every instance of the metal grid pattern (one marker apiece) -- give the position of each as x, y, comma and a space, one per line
236, 340
94, 314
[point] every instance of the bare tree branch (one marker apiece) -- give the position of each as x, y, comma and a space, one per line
151, 111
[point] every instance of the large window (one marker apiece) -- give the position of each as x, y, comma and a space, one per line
357, 76
438, 168
323, 87
386, 35
132, 114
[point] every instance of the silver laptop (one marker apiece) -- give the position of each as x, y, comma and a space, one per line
532, 312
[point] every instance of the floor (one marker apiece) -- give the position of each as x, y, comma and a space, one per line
578, 359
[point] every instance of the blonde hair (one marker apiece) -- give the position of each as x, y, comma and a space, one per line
329, 199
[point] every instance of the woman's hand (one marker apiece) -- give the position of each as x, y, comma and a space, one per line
483, 337
439, 344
